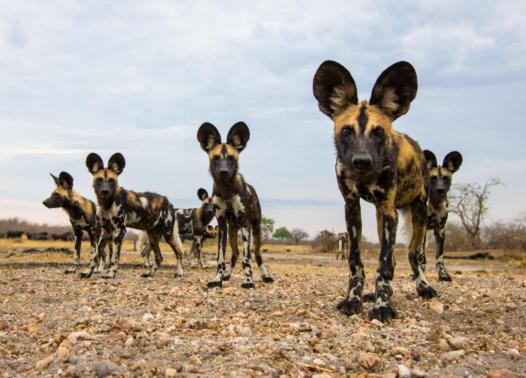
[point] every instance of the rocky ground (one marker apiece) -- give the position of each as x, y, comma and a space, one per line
52, 324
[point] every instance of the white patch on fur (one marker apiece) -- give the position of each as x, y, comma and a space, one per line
389, 100
338, 99
211, 142
237, 205
131, 218
144, 202
339, 167
236, 141
220, 205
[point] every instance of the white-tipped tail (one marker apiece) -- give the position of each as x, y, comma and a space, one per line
142, 241
177, 238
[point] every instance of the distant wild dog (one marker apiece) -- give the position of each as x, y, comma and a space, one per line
440, 178
343, 245
236, 202
193, 225
119, 208
380, 165
82, 214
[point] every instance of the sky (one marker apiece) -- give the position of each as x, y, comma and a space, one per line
140, 77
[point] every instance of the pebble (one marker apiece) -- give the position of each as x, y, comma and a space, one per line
513, 352
129, 341
73, 337
3, 324
443, 345
403, 371
436, 306
318, 362
458, 342
62, 354
103, 368
147, 317
454, 355
45, 362
368, 360
500, 373
170, 372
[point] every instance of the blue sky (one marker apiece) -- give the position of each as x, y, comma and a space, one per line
140, 77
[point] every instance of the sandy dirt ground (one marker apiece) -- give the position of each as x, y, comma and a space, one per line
52, 324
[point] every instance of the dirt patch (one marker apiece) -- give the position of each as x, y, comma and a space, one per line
57, 324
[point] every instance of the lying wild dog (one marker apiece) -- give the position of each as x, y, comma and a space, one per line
193, 225
380, 165
343, 245
236, 202
437, 208
82, 214
119, 208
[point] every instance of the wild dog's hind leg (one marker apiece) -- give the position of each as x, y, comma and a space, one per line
97, 254
440, 234
174, 241
256, 237
78, 244
352, 304
416, 250
383, 309
153, 243
248, 282
232, 240
197, 245
118, 236
145, 253
221, 249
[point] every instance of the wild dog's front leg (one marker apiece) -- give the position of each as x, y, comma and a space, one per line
232, 240
440, 234
198, 247
145, 253
248, 282
383, 309
416, 250
256, 237
222, 234
76, 259
97, 254
352, 304
118, 237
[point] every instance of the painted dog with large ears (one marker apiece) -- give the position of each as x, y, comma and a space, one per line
380, 165
236, 203
440, 178
119, 208
81, 211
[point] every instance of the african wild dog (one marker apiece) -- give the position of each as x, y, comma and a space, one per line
193, 225
82, 214
119, 208
343, 245
437, 207
236, 202
380, 165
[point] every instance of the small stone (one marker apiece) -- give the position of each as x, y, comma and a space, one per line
368, 360
147, 317
62, 354
170, 372
103, 368
45, 362
513, 352
443, 345
377, 323
454, 355
318, 362
3, 324
129, 341
511, 306
458, 342
500, 373
41, 316
140, 365
73, 337
436, 306
403, 371
400, 350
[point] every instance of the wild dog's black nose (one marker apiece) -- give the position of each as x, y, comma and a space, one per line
440, 190
223, 173
362, 162
105, 192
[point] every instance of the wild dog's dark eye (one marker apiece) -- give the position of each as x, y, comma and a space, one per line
230, 158
445, 178
347, 131
56, 195
216, 158
111, 181
379, 132
98, 181
433, 178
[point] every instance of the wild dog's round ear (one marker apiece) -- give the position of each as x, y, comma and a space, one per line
94, 163
202, 194
55, 178
431, 159
117, 163
238, 136
452, 161
394, 89
208, 136
65, 180
334, 88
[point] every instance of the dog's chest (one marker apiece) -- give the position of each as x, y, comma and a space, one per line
437, 214
231, 206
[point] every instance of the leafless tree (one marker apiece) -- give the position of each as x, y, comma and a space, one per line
469, 202
299, 234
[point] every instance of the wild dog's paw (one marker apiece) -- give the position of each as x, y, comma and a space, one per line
350, 307
108, 275
178, 275
226, 277
426, 291
147, 275
369, 297
212, 284
86, 274
248, 285
384, 313
267, 279
444, 277
71, 269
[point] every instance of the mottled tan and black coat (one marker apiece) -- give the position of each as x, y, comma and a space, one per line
440, 178
81, 211
236, 203
380, 165
119, 208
